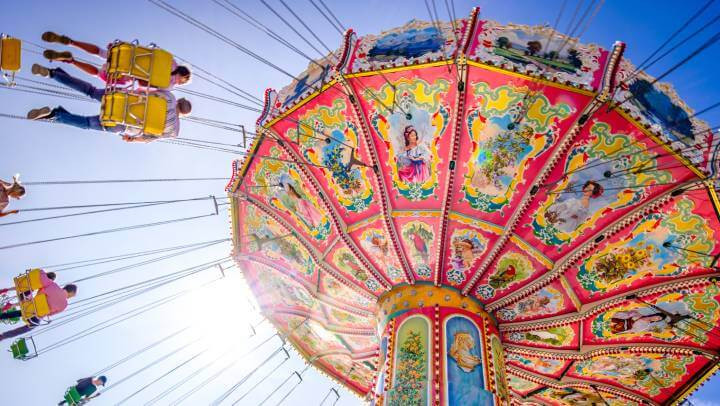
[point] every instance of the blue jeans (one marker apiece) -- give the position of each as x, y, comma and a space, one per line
76, 84
61, 115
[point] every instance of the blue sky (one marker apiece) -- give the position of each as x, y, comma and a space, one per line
43, 152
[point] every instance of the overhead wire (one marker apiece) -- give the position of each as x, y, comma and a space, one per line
114, 258
262, 380
107, 231
247, 376
224, 84
330, 21
646, 63
134, 290
232, 348
332, 15
113, 209
189, 19
279, 386
124, 317
711, 41
292, 389
150, 365
229, 365
105, 181
159, 378
138, 352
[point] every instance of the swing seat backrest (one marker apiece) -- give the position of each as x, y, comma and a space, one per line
152, 65
30, 280
19, 349
37, 307
72, 396
10, 54
147, 112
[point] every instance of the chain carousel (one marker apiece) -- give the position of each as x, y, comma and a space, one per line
470, 213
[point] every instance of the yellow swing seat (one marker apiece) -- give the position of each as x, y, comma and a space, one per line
30, 280
10, 51
135, 110
10, 54
152, 65
37, 307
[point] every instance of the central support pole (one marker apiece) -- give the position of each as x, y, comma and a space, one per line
437, 347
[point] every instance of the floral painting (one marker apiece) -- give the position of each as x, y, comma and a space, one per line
410, 385
410, 119
419, 237
642, 252
328, 139
468, 245
578, 200
464, 364
508, 128
282, 186
501, 381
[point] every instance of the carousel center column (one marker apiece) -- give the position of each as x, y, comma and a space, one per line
437, 347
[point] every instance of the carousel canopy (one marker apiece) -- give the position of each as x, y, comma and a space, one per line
547, 180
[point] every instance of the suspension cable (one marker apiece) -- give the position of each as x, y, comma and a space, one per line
134, 291
261, 380
187, 378
111, 230
217, 99
128, 207
138, 352
227, 86
331, 22
247, 376
95, 261
211, 378
151, 364
332, 14
646, 63
196, 23
687, 59
125, 316
156, 380
112, 301
86, 182
300, 381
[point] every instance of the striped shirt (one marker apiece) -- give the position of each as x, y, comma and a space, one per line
172, 120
